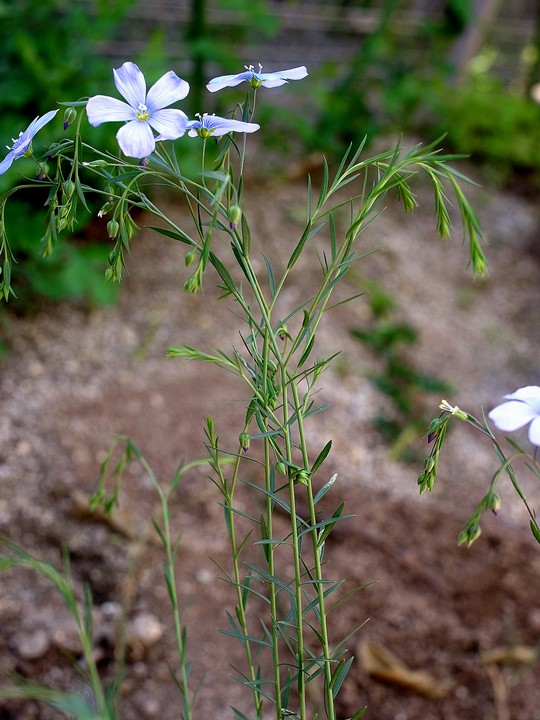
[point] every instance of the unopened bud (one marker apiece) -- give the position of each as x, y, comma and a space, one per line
42, 171
493, 502
112, 228
68, 188
190, 258
244, 441
235, 213
70, 116
96, 163
429, 464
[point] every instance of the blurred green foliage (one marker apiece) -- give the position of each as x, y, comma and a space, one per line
403, 384
499, 129
407, 82
48, 53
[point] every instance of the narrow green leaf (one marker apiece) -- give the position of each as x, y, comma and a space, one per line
270, 273
179, 235
307, 351
321, 457
308, 233
535, 531
330, 524
339, 675
325, 488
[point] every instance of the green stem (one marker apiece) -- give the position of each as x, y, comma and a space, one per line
270, 531
317, 559
300, 652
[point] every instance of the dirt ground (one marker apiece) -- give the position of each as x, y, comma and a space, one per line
74, 377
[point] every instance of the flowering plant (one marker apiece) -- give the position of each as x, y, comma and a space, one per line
522, 408
276, 361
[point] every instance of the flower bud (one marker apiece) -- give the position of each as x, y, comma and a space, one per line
244, 441
68, 188
190, 258
112, 228
96, 163
70, 116
281, 467
42, 171
234, 214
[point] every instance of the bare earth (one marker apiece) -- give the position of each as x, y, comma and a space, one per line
74, 378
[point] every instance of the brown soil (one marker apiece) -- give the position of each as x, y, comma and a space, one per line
73, 378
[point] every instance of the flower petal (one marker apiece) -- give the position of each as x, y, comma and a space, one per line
228, 81
296, 73
512, 415
166, 91
221, 126
7, 162
136, 139
131, 84
102, 108
534, 431
529, 395
170, 124
273, 82
36, 125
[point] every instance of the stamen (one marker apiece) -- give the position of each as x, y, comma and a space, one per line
142, 112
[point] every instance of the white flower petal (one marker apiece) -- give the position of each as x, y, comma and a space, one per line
102, 108
170, 124
131, 84
512, 415
166, 91
136, 139
534, 431
529, 395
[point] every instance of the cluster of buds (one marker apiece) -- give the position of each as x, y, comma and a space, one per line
436, 435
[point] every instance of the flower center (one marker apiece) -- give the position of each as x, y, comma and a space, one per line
255, 80
142, 112
16, 142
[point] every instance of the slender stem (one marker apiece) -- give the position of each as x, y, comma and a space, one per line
300, 652
270, 548
299, 408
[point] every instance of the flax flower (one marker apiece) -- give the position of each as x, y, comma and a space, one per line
143, 111
256, 79
215, 126
23, 144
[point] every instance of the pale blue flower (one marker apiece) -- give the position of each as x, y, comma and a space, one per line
23, 144
212, 125
256, 79
523, 407
142, 111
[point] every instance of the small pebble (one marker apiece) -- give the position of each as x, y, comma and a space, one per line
33, 646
